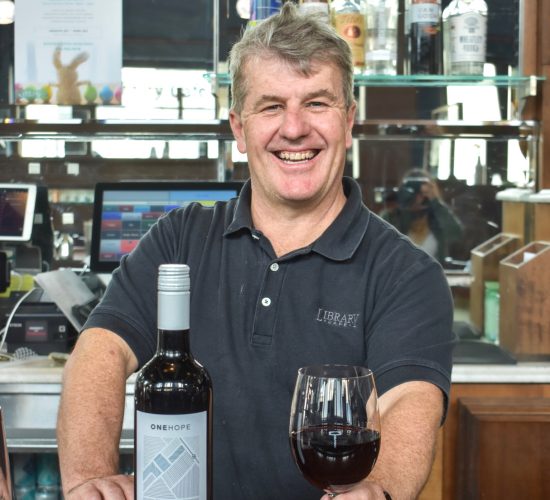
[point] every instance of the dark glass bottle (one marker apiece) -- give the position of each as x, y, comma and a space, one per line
426, 39
173, 404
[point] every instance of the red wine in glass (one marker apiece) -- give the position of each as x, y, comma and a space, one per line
335, 426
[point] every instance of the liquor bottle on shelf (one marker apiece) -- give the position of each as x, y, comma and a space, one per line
318, 7
381, 46
348, 18
173, 402
262, 9
425, 39
464, 37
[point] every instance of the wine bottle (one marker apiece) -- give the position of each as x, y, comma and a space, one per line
173, 404
317, 7
465, 37
348, 18
425, 43
381, 46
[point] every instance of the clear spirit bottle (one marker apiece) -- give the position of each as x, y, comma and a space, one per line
316, 7
381, 46
465, 37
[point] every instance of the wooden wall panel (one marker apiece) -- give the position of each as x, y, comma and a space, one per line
504, 448
544, 38
531, 27
543, 45
543, 180
452, 435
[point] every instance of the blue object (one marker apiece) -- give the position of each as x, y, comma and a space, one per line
262, 9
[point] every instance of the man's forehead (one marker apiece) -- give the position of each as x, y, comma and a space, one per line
306, 67
258, 67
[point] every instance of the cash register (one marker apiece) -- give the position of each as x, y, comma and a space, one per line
29, 319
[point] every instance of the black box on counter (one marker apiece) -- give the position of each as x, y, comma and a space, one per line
39, 326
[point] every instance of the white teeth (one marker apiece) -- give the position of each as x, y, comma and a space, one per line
296, 156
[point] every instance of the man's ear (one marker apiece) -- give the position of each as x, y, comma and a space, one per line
238, 131
350, 119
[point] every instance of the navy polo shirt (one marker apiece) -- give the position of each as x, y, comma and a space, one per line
361, 294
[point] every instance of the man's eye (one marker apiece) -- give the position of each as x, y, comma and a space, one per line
316, 104
272, 107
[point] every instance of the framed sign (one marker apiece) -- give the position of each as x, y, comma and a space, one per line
68, 52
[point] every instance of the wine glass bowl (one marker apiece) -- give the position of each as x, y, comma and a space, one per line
335, 425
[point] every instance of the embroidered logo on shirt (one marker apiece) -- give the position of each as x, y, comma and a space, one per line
335, 318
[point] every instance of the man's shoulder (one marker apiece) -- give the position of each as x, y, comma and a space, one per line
385, 243
196, 215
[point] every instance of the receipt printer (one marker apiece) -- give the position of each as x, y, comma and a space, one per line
41, 327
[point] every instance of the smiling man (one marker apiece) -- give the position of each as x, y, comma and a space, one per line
295, 127
295, 272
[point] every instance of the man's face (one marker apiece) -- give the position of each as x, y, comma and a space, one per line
295, 130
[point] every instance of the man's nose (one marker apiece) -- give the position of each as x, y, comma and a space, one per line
295, 124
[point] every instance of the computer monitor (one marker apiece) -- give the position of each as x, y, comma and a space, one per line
123, 213
16, 211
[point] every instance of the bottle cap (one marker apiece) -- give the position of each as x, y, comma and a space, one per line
174, 278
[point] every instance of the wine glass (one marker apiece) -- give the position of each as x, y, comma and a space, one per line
335, 425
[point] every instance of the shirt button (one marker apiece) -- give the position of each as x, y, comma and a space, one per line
266, 302
274, 266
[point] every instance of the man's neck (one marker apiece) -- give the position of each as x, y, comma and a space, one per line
289, 227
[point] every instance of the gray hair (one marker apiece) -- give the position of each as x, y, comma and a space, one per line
298, 40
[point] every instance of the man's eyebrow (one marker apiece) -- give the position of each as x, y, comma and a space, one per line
321, 93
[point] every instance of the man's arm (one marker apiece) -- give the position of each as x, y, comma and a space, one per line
410, 418
90, 417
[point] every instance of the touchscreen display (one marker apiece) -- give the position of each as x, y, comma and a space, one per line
16, 211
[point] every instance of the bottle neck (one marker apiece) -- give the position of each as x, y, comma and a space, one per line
173, 343
173, 323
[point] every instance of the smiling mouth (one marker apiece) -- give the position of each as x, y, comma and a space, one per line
296, 156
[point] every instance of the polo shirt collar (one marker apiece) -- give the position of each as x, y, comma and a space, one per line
338, 242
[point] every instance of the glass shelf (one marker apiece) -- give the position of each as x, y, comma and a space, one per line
222, 79
443, 81
16, 130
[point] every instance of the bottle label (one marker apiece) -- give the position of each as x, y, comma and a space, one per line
351, 27
429, 12
468, 33
171, 461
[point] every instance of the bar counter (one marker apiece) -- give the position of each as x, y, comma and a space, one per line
30, 389
42, 370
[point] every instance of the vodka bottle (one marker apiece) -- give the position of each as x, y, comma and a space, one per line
173, 404
348, 18
316, 7
425, 43
465, 37
381, 46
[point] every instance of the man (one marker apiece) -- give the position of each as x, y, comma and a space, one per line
295, 272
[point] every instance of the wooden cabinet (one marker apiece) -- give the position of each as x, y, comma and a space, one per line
495, 444
504, 448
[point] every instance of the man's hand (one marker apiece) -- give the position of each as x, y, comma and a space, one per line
366, 490
93, 397
119, 487
429, 190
